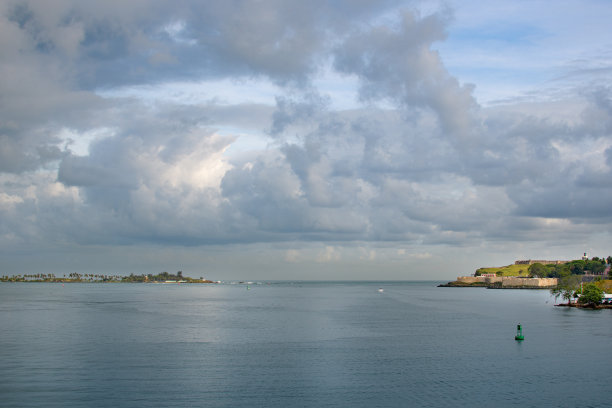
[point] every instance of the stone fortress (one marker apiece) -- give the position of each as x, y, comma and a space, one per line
543, 262
509, 282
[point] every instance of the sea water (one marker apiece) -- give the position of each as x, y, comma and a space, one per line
298, 344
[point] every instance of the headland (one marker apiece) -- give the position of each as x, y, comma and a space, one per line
501, 282
536, 274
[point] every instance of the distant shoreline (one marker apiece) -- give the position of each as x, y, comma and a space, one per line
61, 280
75, 277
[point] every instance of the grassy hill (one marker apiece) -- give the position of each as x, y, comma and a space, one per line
509, 270
605, 285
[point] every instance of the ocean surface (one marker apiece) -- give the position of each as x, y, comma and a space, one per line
298, 344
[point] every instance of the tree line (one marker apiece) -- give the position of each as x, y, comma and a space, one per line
90, 277
570, 285
50, 277
594, 266
163, 277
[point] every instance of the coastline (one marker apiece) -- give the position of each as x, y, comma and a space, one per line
194, 281
590, 306
510, 282
163, 277
449, 285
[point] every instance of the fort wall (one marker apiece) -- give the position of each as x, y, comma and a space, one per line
512, 281
541, 261
509, 282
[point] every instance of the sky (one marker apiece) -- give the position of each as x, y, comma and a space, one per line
320, 140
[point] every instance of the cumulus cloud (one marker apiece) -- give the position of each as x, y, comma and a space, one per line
399, 64
415, 161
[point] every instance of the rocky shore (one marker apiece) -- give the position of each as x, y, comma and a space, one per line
457, 284
588, 306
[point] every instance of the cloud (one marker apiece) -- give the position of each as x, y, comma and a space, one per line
162, 185
150, 123
329, 254
399, 65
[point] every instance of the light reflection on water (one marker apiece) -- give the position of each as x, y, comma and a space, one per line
297, 344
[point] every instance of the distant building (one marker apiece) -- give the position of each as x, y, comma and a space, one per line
585, 257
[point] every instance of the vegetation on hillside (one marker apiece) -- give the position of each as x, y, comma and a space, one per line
163, 277
588, 294
570, 282
605, 285
567, 288
594, 266
509, 270
591, 295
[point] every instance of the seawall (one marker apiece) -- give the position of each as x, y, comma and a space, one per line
502, 282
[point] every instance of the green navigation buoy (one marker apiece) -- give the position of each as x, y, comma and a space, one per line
519, 333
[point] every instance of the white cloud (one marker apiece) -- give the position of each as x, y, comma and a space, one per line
9, 201
329, 254
347, 127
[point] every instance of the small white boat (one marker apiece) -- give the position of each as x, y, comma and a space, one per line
381, 290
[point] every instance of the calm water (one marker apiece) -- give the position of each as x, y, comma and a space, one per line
298, 345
